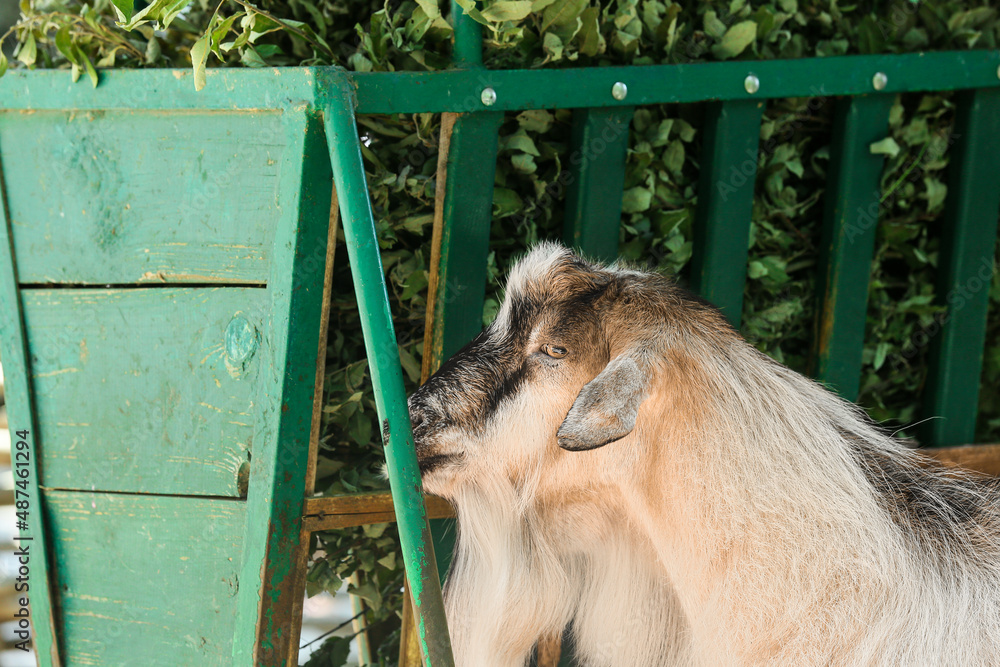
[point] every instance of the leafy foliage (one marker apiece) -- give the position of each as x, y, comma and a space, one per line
660, 182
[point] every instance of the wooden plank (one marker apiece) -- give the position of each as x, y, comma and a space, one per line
145, 580
725, 204
965, 271
850, 221
146, 390
19, 404
596, 181
324, 325
981, 458
123, 197
288, 379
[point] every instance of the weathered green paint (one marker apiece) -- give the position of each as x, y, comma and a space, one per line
387, 379
850, 220
144, 580
725, 204
135, 390
965, 269
20, 417
164, 201
281, 447
596, 181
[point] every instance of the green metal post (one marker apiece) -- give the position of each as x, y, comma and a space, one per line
849, 224
597, 181
725, 204
387, 378
965, 271
468, 50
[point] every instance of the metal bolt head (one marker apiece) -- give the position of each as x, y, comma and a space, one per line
751, 84
880, 80
489, 97
619, 91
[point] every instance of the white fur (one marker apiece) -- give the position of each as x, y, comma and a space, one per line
741, 533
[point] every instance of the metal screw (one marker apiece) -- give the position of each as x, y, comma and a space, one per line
880, 80
751, 83
619, 91
998, 71
489, 97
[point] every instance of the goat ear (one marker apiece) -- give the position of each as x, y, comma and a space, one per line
606, 408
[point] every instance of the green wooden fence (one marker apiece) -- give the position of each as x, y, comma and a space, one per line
152, 274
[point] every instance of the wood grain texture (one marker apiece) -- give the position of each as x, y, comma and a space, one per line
145, 580
129, 197
364, 508
981, 458
135, 390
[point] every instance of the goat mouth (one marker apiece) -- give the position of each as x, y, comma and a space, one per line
432, 463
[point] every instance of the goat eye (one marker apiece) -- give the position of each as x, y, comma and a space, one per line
554, 351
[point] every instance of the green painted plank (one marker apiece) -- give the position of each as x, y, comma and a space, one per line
850, 220
387, 379
145, 580
966, 266
281, 444
132, 197
227, 89
725, 204
459, 90
20, 417
596, 181
146, 390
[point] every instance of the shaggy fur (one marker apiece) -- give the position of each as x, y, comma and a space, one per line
624, 463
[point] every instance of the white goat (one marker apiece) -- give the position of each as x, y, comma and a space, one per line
624, 463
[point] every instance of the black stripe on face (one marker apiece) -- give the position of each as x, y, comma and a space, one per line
473, 383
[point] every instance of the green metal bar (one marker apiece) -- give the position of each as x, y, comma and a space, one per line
849, 223
21, 417
964, 273
725, 204
597, 179
459, 90
387, 378
468, 48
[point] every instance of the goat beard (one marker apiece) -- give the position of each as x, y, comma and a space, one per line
520, 575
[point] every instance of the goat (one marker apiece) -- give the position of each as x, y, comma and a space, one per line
622, 462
